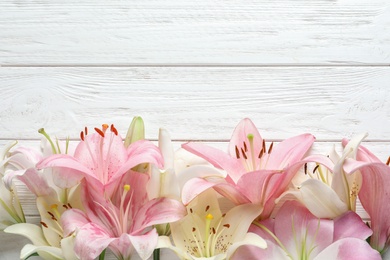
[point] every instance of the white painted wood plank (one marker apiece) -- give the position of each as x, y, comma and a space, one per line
188, 32
197, 103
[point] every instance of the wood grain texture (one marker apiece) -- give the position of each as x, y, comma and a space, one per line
187, 32
197, 103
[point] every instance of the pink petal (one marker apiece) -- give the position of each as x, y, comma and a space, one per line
95, 148
256, 185
90, 241
141, 151
158, 211
196, 186
145, 244
252, 253
65, 161
72, 220
295, 221
374, 197
349, 248
240, 136
350, 225
35, 181
216, 157
290, 151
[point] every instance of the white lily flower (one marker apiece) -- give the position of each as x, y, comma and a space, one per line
330, 191
206, 233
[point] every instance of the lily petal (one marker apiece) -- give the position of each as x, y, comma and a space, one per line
350, 225
217, 158
90, 241
46, 252
290, 151
321, 200
349, 248
250, 239
158, 211
32, 232
145, 244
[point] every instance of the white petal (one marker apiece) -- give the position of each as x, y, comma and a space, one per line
32, 232
321, 200
249, 239
46, 252
67, 245
166, 148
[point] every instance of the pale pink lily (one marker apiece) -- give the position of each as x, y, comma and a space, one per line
374, 196
328, 191
123, 223
11, 211
297, 234
47, 239
206, 233
255, 174
102, 159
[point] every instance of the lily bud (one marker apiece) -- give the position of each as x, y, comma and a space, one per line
136, 131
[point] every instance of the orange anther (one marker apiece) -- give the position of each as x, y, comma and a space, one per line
100, 132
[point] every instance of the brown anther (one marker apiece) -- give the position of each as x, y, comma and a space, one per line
51, 214
305, 167
207, 208
214, 231
270, 148
237, 153
69, 205
86, 130
65, 206
227, 225
191, 210
100, 132
245, 148
44, 224
224, 214
82, 135
261, 153
315, 168
244, 154
113, 129
264, 148
388, 161
193, 229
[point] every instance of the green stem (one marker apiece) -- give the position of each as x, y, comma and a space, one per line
101, 256
156, 254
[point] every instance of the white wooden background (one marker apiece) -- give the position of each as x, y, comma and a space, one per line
195, 68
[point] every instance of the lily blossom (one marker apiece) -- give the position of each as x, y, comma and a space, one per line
328, 190
123, 223
206, 233
255, 174
374, 197
101, 158
295, 233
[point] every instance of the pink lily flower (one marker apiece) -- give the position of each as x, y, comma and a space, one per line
295, 233
374, 196
123, 223
255, 174
102, 159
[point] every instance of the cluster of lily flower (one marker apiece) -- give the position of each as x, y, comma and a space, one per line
133, 198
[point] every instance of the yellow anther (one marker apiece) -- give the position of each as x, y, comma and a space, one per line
126, 187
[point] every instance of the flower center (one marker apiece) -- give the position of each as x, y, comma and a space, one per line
212, 241
117, 221
252, 160
101, 156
